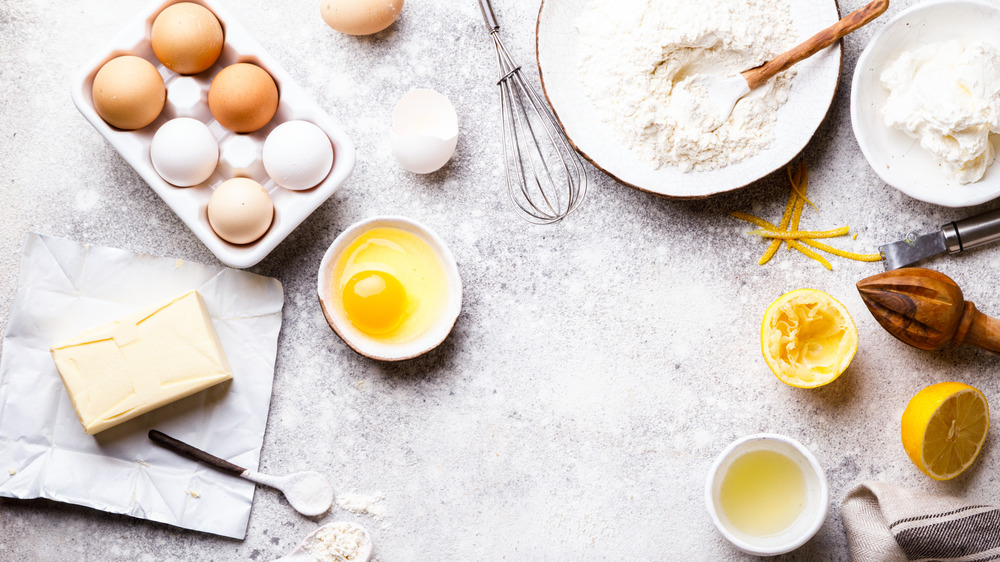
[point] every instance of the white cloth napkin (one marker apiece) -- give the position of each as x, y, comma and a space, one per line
887, 523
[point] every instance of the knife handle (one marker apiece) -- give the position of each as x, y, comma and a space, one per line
972, 232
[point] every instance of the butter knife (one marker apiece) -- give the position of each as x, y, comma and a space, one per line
953, 238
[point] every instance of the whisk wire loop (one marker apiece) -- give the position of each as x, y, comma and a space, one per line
543, 190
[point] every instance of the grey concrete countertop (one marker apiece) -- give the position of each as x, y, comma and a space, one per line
597, 368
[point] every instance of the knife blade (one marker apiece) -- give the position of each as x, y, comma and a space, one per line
952, 238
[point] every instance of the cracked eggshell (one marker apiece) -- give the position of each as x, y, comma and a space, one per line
424, 131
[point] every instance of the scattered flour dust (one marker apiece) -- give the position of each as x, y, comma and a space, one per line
358, 503
639, 60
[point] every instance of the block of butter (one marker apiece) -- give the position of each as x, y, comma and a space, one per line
124, 369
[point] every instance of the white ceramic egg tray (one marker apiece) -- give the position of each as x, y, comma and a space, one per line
239, 154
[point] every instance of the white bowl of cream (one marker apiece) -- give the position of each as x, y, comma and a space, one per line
930, 162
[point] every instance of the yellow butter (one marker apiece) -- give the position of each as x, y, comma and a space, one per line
131, 366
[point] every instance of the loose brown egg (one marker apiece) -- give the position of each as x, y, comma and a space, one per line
128, 92
240, 210
360, 17
243, 97
187, 38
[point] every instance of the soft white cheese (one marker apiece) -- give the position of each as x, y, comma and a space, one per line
947, 96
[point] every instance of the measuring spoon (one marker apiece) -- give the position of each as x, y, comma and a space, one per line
310, 493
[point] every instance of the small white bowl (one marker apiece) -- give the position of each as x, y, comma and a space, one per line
897, 158
808, 522
358, 340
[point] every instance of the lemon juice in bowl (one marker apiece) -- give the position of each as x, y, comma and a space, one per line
767, 494
763, 493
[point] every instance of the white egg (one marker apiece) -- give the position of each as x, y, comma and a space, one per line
297, 155
424, 131
184, 152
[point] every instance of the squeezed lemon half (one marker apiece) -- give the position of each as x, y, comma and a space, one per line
944, 427
807, 338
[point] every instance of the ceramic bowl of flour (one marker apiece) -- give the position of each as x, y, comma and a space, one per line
566, 33
897, 158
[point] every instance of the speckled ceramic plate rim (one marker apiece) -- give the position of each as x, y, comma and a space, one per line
710, 179
423, 343
895, 157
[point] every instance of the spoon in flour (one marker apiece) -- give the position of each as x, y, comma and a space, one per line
713, 98
310, 493
337, 541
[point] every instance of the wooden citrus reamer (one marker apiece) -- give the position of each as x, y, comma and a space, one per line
926, 309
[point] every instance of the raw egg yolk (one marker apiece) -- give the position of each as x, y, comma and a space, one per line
375, 301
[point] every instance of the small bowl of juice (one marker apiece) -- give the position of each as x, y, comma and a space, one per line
767, 494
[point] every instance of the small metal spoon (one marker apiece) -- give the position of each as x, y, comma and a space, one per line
301, 552
310, 493
724, 92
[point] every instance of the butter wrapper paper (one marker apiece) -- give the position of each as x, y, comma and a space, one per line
66, 287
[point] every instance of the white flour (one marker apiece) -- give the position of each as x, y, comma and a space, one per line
638, 58
341, 541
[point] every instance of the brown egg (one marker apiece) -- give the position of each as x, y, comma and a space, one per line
129, 92
360, 17
187, 38
240, 210
243, 97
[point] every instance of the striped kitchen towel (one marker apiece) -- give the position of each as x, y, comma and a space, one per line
887, 522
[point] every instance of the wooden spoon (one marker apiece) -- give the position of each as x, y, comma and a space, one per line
926, 309
724, 92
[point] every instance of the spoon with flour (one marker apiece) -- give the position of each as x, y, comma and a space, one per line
340, 541
712, 98
310, 493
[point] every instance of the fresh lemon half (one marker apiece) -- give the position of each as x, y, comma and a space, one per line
808, 338
943, 428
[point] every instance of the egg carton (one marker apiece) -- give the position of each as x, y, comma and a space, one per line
239, 154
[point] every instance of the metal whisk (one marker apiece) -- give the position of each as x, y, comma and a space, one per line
546, 179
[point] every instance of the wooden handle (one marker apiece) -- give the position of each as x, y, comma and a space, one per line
185, 450
757, 76
978, 329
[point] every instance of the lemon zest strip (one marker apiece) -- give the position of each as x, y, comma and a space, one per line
843, 253
795, 244
799, 234
786, 216
794, 238
801, 174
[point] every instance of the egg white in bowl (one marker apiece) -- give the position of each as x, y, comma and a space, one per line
390, 288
